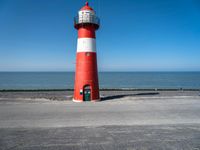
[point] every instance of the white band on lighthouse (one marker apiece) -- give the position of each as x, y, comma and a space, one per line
86, 45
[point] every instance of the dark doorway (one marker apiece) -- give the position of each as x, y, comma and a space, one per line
87, 93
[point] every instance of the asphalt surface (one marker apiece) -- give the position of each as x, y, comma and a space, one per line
169, 137
142, 121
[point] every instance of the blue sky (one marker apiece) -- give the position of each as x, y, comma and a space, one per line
136, 35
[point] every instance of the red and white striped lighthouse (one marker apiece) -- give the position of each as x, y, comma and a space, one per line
86, 86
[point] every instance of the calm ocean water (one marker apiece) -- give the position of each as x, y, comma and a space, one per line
65, 80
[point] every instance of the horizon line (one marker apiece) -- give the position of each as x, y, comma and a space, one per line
110, 71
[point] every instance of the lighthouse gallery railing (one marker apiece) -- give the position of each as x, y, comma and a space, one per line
86, 19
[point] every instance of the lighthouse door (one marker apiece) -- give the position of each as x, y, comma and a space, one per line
87, 93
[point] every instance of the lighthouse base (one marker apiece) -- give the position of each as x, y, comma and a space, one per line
80, 101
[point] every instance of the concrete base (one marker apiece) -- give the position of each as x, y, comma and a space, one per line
78, 101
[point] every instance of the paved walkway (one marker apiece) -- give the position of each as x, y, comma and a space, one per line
125, 123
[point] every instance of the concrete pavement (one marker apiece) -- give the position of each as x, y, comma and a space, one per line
129, 122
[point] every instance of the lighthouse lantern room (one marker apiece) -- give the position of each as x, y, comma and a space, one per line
86, 86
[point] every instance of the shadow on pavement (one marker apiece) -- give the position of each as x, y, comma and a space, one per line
125, 95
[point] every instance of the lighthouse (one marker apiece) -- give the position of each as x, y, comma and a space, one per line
86, 87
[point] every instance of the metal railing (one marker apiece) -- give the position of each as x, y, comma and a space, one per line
86, 19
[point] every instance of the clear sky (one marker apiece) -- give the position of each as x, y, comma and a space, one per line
135, 35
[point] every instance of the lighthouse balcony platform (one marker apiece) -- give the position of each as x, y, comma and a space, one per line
83, 20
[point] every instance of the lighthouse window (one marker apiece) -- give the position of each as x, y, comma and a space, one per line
87, 54
81, 92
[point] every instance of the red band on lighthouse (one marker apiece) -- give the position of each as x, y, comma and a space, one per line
86, 86
86, 32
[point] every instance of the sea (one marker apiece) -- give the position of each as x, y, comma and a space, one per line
107, 80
